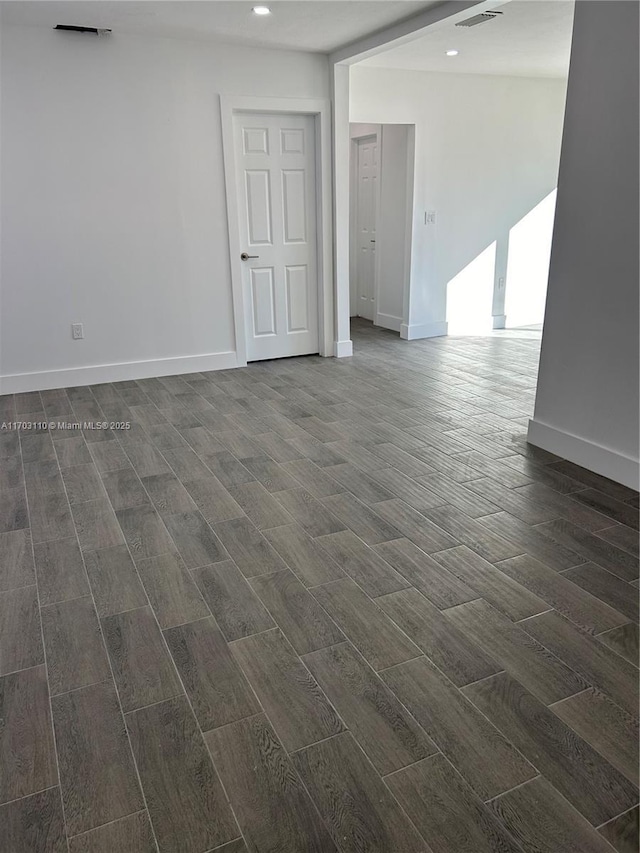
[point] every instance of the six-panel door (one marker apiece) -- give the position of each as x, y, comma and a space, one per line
276, 186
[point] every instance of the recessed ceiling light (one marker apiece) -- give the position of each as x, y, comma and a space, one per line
452, 53
261, 10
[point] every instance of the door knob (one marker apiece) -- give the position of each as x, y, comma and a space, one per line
245, 257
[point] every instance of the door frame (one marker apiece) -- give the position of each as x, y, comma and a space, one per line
374, 132
320, 110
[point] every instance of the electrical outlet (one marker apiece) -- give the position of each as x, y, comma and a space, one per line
429, 217
77, 332
500, 283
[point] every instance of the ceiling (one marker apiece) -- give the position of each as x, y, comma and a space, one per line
311, 25
532, 38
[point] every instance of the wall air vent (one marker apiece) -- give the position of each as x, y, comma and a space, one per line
96, 31
478, 19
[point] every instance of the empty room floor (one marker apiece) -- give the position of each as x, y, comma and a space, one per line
315, 605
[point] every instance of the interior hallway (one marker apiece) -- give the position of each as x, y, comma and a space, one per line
315, 605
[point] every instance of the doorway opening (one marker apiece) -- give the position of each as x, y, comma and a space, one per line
381, 202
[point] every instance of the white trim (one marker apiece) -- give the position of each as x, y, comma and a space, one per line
499, 321
343, 349
321, 110
388, 321
425, 330
341, 214
594, 457
70, 377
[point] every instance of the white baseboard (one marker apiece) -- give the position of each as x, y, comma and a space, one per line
425, 330
343, 349
499, 321
99, 373
388, 321
594, 457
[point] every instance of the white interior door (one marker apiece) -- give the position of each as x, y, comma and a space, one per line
276, 183
366, 215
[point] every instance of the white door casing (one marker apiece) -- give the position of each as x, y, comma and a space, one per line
367, 188
276, 192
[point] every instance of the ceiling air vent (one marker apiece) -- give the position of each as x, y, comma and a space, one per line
96, 31
479, 19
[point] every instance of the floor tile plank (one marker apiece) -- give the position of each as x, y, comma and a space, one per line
364, 565
480, 753
622, 832
60, 570
578, 605
383, 728
196, 542
34, 823
184, 796
27, 756
290, 696
425, 574
299, 616
217, 689
409, 523
530, 662
450, 816
272, 806
73, 642
174, 597
311, 564
336, 770
607, 587
236, 608
503, 592
587, 656
131, 834
458, 657
623, 640
370, 630
97, 775
609, 729
591, 548
20, 637
310, 514
142, 668
248, 547
543, 820
580, 774
114, 580
16, 560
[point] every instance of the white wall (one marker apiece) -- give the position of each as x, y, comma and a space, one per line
113, 200
587, 400
487, 151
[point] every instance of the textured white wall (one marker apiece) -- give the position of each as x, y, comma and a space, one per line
113, 200
587, 400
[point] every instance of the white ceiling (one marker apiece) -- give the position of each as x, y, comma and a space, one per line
312, 25
532, 38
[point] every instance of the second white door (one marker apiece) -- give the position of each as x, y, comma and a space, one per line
276, 190
366, 216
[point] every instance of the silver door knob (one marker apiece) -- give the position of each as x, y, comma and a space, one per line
245, 257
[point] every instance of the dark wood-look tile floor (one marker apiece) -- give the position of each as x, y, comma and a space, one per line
315, 605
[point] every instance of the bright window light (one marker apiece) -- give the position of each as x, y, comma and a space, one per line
261, 10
